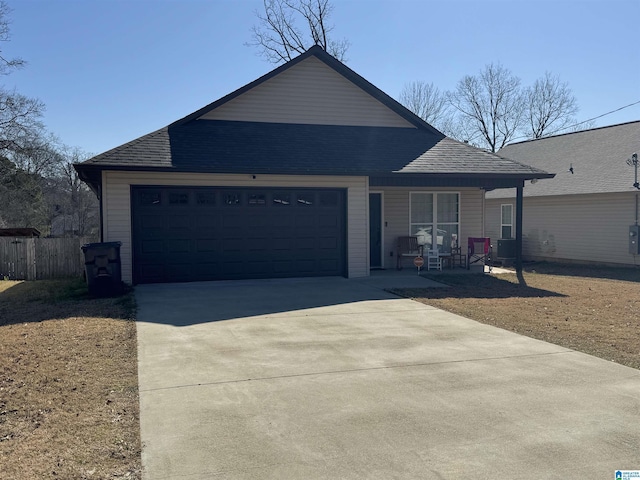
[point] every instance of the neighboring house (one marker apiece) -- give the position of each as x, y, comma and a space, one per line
308, 171
584, 214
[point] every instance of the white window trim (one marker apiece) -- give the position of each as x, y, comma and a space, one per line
435, 193
510, 225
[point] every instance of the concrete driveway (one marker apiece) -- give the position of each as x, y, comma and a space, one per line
332, 378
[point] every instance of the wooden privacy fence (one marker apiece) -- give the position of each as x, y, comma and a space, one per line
23, 258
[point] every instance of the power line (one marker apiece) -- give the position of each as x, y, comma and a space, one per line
599, 116
579, 123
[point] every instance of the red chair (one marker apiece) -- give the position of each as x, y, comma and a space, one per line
479, 249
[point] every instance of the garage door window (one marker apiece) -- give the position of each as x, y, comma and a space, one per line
257, 199
178, 199
305, 199
232, 199
206, 198
150, 198
282, 199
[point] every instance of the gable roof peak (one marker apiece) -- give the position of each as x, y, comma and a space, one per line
330, 61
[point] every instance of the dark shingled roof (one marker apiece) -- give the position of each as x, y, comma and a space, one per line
256, 147
216, 146
597, 157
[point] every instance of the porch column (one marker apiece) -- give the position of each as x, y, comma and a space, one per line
519, 190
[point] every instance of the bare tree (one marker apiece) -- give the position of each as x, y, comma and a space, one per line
19, 115
21, 198
76, 205
490, 106
7, 64
428, 102
550, 108
279, 38
38, 153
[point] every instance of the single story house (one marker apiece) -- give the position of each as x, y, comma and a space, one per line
309, 170
588, 211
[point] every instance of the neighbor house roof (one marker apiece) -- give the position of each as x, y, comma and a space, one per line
19, 232
221, 146
585, 162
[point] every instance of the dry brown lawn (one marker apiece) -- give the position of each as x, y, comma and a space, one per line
68, 383
595, 310
68, 378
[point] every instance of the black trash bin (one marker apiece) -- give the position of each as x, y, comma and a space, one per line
103, 268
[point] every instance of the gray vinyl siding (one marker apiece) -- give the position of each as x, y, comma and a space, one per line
116, 203
308, 93
396, 216
575, 228
493, 215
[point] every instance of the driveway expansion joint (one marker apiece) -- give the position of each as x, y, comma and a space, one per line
354, 370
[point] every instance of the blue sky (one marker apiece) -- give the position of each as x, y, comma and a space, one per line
110, 71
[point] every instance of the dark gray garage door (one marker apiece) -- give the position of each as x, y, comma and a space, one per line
206, 233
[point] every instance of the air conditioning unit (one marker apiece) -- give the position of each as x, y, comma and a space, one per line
634, 241
506, 248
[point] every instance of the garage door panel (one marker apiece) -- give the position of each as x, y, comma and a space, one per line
152, 272
178, 221
326, 221
306, 265
151, 247
328, 265
258, 244
327, 243
207, 245
206, 220
176, 246
152, 221
282, 266
232, 218
210, 233
179, 272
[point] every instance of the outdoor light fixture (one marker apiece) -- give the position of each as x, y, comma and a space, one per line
633, 162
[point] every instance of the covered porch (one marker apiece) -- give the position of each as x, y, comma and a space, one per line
442, 211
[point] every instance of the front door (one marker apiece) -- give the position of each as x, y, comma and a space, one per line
375, 230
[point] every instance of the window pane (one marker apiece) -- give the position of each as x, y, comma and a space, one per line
423, 232
421, 208
506, 231
281, 199
447, 207
257, 199
150, 198
206, 198
506, 214
178, 198
305, 199
447, 237
231, 198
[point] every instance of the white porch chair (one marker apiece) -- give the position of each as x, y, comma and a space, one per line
434, 262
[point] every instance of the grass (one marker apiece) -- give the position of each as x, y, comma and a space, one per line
68, 383
595, 310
